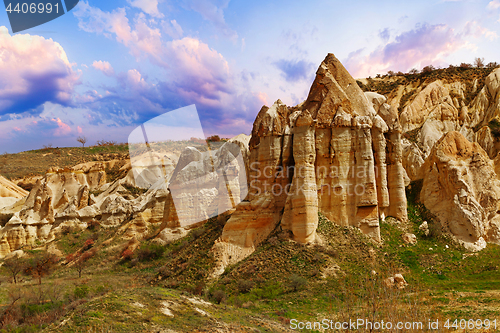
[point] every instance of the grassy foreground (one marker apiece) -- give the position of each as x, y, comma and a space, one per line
166, 289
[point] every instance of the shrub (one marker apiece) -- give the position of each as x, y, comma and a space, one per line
104, 143
197, 232
93, 224
150, 251
245, 286
88, 244
297, 282
213, 138
127, 254
81, 291
219, 296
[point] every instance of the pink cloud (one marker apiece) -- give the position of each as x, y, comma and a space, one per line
104, 67
200, 73
79, 129
492, 5
62, 128
34, 70
262, 97
141, 39
425, 45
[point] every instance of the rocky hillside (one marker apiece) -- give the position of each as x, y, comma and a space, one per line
362, 179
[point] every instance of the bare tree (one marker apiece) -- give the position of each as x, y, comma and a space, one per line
82, 140
479, 62
14, 266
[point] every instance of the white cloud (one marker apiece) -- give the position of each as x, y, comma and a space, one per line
148, 6
492, 5
34, 70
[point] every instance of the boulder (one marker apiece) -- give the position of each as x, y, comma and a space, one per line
409, 238
461, 189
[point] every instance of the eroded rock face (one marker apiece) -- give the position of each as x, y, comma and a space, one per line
338, 153
433, 112
10, 190
63, 199
461, 188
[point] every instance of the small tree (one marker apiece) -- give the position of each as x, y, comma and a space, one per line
82, 140
81, 262
41, 266
428, 69
479, 62
14, 266
413, 71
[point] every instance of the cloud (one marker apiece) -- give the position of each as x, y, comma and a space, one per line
194, 73
472, 28
424, 45
34, 70
148, 6
92, 19
141, 40
173, 29
104, 67
385, 34
213, 11
493, 5
295, 70
62, 128
199, 72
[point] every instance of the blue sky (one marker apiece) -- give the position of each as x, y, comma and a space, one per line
108, 66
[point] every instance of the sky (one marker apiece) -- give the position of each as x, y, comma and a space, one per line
106, 67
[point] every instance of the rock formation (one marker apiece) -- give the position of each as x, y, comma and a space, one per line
63, 199
461, 189
10, 190
433, 112
202, 185
338, 153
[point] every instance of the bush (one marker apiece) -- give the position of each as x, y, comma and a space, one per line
93, 224
245, 286
81, 291
219, 296
297, 282
213, 138
104, 143
150, 251
127, 254
88, 244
